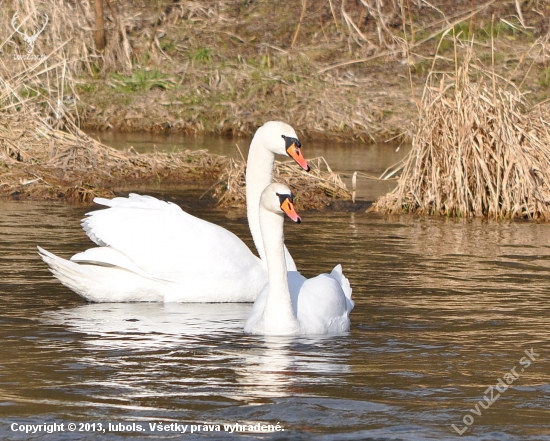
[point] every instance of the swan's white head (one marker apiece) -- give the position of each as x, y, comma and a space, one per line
277, 198
281, 139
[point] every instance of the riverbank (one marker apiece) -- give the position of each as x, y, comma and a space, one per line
336, 71
43, 163
39, 162
332, 69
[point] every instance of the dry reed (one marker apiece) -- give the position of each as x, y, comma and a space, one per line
478, 151
68, 34
41, 162
44, 155
315, 189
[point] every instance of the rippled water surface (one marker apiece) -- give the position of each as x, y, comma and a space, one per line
443, 310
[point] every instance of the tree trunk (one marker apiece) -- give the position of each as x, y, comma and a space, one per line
99, 33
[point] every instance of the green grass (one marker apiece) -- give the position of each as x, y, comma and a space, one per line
142, 80
86, 87
168, 46
27, 92
544, 78
202, 54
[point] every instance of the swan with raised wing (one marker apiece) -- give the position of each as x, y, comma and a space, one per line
151, 250
320, 305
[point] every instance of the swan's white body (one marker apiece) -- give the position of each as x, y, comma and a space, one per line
150, 250
296, 306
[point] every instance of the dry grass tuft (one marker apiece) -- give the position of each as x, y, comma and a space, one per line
43, 154
314, 190
68, 33
40, 162
478, 151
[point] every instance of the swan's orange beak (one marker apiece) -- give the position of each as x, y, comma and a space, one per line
295, 153
293, 148
288, 207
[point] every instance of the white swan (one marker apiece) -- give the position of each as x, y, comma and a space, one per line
321, 305
150, 250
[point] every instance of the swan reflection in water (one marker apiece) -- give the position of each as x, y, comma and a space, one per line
284, 366
152, 325
200, 343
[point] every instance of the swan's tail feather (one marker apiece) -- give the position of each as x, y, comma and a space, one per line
344, 283
70, 274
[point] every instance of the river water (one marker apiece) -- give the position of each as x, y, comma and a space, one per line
444, 309
344, 158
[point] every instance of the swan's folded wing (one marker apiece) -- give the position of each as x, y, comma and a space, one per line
164, 241
108, 256
95, 224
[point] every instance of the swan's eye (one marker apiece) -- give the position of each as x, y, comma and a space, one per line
291, 142
284, 197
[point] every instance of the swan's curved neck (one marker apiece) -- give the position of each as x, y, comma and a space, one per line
278, 316
259, 174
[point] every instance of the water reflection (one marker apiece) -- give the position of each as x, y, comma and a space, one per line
263, 366
141, 325
280, 366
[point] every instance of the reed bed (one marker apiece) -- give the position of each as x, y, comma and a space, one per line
44, 155
40, 162
315, 189
478, 151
